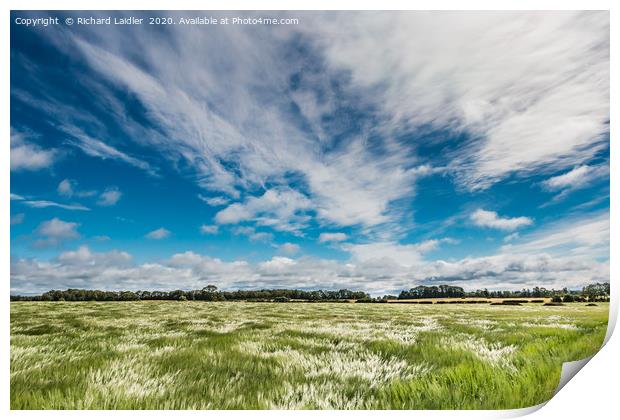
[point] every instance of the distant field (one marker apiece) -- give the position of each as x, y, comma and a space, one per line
207, 355
467, 299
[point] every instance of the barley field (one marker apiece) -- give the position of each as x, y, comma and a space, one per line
207, 355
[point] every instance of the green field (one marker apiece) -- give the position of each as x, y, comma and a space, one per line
206, 355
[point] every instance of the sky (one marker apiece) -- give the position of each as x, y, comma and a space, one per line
372, 151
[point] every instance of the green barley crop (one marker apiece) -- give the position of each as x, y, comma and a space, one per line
207, 355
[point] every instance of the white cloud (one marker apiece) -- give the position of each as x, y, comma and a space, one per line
281, 209
490, 219
55, 231
261, 237
214, 201
573, 178
83, 256
511, 237
157, 234
115, 271
332, 237
68, 188
46, 203
514, 271
252, 234
530, 88
65, 188
233, 214
278, 264
355, 186
209, 229
30, 158
73, 121
570, 253
289, 248
97, 148
577, 178
27, 156
243, 230
205, 118
109, 197
586, 235
403, 255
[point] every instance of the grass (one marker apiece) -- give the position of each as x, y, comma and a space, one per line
207, 355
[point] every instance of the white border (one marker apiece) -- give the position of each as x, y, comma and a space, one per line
591, 395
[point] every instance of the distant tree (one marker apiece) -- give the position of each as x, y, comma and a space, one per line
443, 291
596, 290
128, 295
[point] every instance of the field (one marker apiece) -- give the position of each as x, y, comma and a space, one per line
467, 299
203, 355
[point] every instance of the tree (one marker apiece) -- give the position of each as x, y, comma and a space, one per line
593, 291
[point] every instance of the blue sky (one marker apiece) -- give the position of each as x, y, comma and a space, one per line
371, 151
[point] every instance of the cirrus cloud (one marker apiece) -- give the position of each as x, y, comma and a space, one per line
464, 71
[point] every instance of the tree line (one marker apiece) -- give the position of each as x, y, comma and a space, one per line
590, 292
444, 291
596, 291
208, 293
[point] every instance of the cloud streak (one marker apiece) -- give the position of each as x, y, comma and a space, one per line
577, 178
235, 137
38, 204
239, 124
528, 103
587, 236
99, 149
